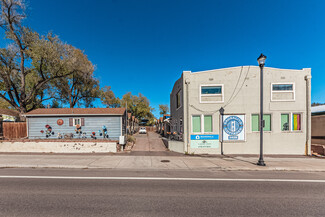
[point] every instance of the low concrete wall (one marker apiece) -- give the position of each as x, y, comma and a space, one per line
58, 147
176, 146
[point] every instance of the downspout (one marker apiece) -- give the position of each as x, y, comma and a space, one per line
187, 82
308, 115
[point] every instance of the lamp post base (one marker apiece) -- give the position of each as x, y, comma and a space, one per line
261, 162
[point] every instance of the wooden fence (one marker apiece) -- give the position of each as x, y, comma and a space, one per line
14, 130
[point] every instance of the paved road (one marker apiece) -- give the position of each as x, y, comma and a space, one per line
149, 142
130, 197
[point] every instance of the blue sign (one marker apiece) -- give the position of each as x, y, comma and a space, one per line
234, 127
204, 137
204, 141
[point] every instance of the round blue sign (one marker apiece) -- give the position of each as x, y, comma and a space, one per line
233, 125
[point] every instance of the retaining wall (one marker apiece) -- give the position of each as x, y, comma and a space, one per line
58, 147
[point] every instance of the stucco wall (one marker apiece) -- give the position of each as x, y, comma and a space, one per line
176, 146
241, 96
92, 124
58, 147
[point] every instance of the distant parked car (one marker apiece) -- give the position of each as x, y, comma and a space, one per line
142, 130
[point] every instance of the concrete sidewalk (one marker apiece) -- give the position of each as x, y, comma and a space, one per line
161, 162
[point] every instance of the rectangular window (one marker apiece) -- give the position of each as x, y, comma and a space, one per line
267, 121
285, 122
256, 122
211, 93
76, 121
296, 122
178, 99
282, 87
207, 123
211, 90
196, 124
283, 92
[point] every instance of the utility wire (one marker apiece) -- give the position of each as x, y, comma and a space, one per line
239, 88
233, 96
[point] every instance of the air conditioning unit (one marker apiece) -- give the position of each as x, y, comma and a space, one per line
122, 140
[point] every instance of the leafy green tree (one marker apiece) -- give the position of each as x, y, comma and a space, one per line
55, 104
139, 106
4, 104
108, 98
32, 63
163, 109
80, 87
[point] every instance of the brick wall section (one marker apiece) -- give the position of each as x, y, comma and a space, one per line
319, 149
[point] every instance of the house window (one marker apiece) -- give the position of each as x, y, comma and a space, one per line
285, 122
77, 121
178, 99
211, 93
207, 123
256, 122
196, 124
296, 122
283, 92
202, 123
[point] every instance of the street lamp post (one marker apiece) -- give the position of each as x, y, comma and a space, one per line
222, 111
261, 63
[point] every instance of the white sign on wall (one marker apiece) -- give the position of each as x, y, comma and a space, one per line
234, 127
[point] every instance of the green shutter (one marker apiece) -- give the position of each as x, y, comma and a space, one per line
267, 121
207, 123
255, 122
196, 124
285, 122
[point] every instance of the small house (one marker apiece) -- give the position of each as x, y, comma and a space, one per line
97, 123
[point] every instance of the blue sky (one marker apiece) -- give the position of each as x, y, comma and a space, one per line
144, 45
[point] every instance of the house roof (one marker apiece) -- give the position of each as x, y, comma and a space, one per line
318, 109
76, 111
9, 112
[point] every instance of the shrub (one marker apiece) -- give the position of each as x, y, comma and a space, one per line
131, 139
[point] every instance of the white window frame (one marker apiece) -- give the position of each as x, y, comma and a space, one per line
202, 124
284, 91
290, 123
271, 122
301, 122
211, 85
74, 121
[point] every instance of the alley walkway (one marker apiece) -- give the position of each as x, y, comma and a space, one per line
150, 142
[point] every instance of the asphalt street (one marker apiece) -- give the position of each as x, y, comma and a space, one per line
75, 192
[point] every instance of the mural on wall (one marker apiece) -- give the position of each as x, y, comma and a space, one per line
48, 132
60, 122
103, 132
93, 135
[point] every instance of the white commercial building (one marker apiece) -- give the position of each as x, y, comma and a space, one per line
196, 121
